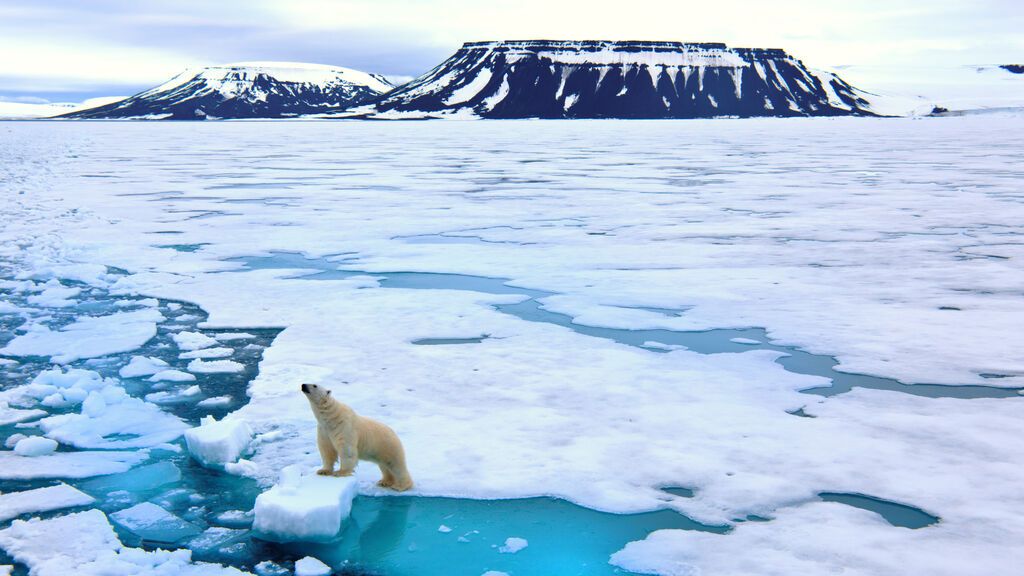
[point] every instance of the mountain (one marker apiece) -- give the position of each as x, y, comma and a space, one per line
629, 79
247, 90
37, 110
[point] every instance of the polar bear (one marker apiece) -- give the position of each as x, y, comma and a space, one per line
341, 434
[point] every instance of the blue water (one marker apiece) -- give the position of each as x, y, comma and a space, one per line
386, 535
893, 512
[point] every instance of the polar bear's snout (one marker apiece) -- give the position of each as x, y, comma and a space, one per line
305, 388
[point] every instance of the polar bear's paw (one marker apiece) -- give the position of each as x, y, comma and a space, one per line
325, 472
341, 473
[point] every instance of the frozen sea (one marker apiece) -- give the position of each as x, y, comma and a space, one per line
662, 347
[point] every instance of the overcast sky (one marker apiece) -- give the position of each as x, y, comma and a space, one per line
69, 50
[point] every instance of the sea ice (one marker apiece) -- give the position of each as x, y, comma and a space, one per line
143, 366
219, 352
513, 545
218, 442
137, 480
172, 376
310, 566
174, 396
14, 504
87, 337
85, 544
134, 424
304, 507
215, 402
214, 366
151, 522
35, 446
192, 340
67, 464
10, 415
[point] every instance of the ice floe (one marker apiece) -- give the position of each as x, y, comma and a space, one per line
67, 464
304, 506
87, 337
85, 544
35, 446
218, 442
14, 504
310, 566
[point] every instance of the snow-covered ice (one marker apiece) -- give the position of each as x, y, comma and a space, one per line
310, 566
143, 366
891, 245
67, 464
88, 337
15, 504
35, 446
513, 545
193, 340
218, 442
85, 544
172, 376
214, 366
151, 522
304, 506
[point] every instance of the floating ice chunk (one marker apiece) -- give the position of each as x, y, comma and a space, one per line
310, 566
744, 341
219, 352
142, 366
307, 507
10, 415
217, 443
243, 467
192, 340
34, 446
87, 337
234, 518
662, 345
227, 336
13, 440
151, 522
494, 573
268, 568
67, 464
140, 479
6, 569
55, 400
513, 545
172, 376
15, 504
443, 529
94, 405
135, 424
55, 296
215, 402
174, 396
214, 366
148, 302
88, 546
215, 537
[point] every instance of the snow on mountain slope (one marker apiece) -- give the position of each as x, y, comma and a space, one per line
248, 90
628, 79
917, 90
31, 110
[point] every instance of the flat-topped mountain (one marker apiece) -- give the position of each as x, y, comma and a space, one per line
248, 90
627, 79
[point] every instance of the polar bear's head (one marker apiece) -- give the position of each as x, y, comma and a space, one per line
316, 394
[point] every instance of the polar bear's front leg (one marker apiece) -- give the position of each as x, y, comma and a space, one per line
327, 452
349, 454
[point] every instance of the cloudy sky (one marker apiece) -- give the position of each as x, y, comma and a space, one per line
68, 50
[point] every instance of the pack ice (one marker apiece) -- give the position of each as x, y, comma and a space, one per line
218, 442
304, 506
